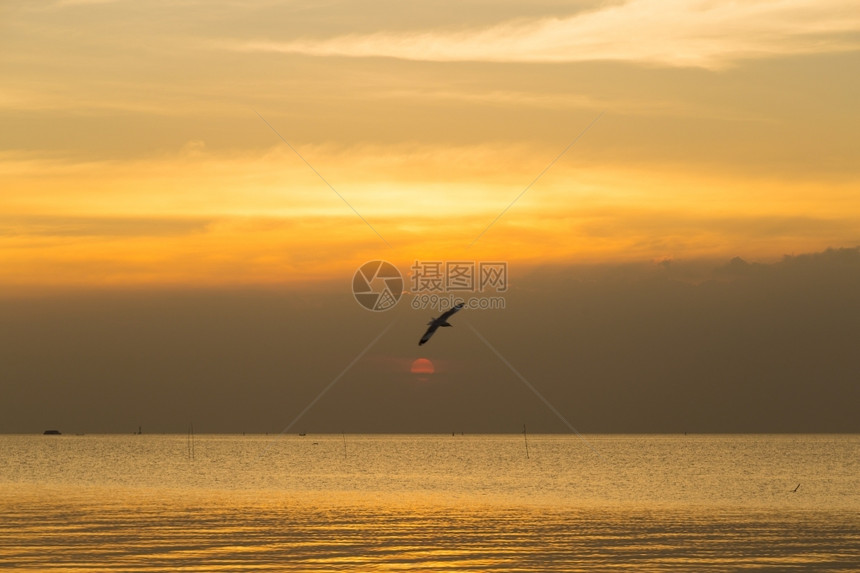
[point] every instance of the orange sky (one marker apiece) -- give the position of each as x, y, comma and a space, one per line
132, 154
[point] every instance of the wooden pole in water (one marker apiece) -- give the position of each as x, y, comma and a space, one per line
526, 440
344, 444
190, 441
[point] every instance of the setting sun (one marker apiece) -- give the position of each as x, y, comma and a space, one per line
422, 366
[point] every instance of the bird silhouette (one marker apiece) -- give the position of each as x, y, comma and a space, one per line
437, 322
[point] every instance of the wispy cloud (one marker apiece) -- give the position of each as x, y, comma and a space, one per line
662, 32
124, 227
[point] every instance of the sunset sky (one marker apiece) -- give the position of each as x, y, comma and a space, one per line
132, 153
141, 151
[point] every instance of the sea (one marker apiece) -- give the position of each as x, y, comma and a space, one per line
512, 503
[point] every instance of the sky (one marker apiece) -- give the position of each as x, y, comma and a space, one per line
187, 189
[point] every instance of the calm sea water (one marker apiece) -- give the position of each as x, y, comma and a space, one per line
429, 503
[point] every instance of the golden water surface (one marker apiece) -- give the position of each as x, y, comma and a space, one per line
429, 503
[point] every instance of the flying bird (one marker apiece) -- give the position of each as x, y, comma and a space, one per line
437, 322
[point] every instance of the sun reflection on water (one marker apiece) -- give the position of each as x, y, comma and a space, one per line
427, 503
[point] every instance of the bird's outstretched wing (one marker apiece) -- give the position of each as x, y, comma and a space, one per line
428, 334
448, 314
437, 322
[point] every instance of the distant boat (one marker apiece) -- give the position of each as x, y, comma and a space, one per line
303, 434
51, 433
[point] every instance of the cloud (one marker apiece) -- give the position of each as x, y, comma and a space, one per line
204, 216
662, 32
619, 348
72, 226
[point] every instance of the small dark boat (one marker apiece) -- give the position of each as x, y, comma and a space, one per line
51, 433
